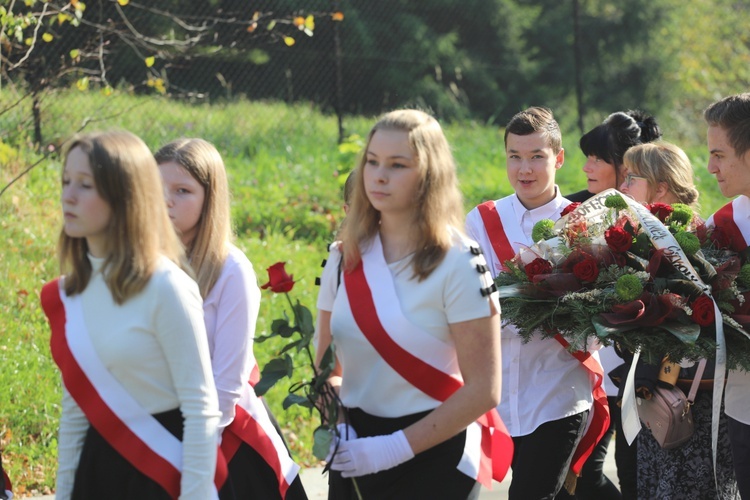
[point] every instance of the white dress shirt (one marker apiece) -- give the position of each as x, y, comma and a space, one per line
542, 381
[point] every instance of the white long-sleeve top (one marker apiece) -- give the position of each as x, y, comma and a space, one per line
155, 346
542, 381
231, 311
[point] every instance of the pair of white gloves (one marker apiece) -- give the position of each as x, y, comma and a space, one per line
356, 457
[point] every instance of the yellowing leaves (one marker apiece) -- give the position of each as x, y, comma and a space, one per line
289, 41
157, 84
306, 24
150, 61
83, 83
47, 37
74, 53
123, 2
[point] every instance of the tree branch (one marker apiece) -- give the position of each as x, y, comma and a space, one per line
33, 40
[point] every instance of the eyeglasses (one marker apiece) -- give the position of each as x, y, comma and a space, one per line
631, 177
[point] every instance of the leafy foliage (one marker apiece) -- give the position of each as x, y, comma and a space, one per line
316, 393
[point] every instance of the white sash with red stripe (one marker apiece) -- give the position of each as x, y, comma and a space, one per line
253, 426
423, 360
109, 408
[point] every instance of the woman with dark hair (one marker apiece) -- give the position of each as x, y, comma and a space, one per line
605, 146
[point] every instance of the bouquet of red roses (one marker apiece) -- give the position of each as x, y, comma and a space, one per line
644, 276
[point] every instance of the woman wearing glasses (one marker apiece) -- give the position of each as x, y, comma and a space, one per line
658, 173
604, 147
661, 173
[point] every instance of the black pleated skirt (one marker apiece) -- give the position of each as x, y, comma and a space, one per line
250, 476
429, 475
104, 473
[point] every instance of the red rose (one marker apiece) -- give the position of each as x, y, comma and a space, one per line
586, 270
278, 280
703, 311
570, 208
618, 239
537, 266
661, 210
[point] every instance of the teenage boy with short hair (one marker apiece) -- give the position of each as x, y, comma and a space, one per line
729, 148
547, 392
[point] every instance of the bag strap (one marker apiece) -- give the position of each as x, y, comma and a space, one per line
696, 380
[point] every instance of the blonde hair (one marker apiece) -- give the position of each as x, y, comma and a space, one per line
663, 162
438, 204
139, 230
208, 250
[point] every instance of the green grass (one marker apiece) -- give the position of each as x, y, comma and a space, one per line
284, 167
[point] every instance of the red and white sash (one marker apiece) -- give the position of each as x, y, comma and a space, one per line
504, 250
427, 363
253, 426
109, 408
500, 234
734, 222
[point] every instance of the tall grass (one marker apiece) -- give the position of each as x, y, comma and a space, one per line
285, 173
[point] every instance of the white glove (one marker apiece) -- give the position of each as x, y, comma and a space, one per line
369, 455
345, 433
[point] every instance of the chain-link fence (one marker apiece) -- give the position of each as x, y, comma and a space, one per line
479, 59
345, 56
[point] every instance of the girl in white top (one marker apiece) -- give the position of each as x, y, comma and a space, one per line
197, 194
139, 374
661, 172
400, 233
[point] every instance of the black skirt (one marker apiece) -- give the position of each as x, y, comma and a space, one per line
250, 476
103, 473
430, 474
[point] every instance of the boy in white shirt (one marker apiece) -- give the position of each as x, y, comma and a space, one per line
546, 393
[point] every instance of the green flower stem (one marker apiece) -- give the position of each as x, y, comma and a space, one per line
297, 323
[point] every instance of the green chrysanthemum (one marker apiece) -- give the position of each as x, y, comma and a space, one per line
615, 201
682, 214
744, 276
688, 241
628, 287
543, 230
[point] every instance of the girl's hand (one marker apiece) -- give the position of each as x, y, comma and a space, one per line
369, 455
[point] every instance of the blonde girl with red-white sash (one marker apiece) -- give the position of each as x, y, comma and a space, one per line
139, 410
197, 196
415, 325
